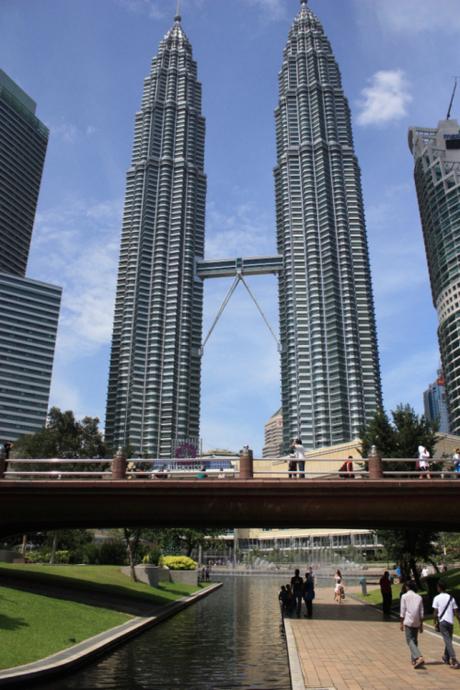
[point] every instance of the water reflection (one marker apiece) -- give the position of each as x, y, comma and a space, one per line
232, 639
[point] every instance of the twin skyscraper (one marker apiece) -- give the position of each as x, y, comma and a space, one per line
330, 378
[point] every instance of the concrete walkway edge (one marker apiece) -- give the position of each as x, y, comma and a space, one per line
95, 646
295, 669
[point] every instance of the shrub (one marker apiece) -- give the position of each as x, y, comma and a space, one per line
178, 562
112, 553
152, 557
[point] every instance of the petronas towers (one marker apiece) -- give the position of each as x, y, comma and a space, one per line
329, 361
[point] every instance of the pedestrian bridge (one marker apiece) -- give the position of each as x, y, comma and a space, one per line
116, 497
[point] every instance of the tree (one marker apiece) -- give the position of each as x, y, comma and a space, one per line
400, 438
62, 437
132, 539
187, 539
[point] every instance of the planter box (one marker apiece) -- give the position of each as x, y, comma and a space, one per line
153, 574
11, 556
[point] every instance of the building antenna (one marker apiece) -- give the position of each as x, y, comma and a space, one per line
452, 99
177, 18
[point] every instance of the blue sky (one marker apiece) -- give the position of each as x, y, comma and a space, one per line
84, 62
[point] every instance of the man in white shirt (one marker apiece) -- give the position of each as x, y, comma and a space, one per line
445, 608
411, 622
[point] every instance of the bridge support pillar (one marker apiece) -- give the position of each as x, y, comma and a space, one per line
246, 464
119, 464
375, 464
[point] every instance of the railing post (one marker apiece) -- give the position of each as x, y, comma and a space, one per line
2, 461
375, 464
246, 463
119, 465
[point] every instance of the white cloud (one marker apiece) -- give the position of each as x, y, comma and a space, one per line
70, 133
414, 16
273, 10
245, 232
76, 246
66, 132
385, 99
150, 7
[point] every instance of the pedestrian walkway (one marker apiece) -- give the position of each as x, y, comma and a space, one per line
351, 647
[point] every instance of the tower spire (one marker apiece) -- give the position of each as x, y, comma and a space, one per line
178, 17
452, 99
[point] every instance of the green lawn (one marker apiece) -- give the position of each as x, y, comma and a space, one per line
452, 580
104, 578
34, 626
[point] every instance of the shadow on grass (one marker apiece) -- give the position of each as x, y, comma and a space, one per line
17, 579
9, 623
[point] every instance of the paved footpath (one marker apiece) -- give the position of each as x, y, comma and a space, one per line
351, 647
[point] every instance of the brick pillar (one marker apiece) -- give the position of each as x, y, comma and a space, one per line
375, 464
246, 464
119, 464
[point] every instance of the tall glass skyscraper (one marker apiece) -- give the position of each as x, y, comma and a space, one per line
29, 310
154, 381
23, 143
437, 178
329, 364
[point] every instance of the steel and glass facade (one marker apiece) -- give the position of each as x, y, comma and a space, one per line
329, 364
437, 178
154, 381
23, 143
29, 314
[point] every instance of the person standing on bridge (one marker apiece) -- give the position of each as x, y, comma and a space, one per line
423, 462
411, 622
299, 452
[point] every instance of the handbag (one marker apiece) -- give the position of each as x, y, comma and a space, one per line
437, 626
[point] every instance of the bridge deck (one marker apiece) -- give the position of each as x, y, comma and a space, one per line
38, 505
249, 266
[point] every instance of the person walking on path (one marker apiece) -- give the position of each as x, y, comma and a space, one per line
309, 592
387, 594
299, 452
445, 609
297, 590
339, 590
411, 622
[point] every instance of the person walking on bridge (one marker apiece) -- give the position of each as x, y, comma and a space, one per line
411, 622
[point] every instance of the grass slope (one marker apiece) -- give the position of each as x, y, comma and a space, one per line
104, 578
34, 626
452, 580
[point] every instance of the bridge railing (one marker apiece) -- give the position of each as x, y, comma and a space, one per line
244, 467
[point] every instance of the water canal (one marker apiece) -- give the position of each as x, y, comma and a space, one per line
231, 639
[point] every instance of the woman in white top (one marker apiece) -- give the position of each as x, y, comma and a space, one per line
423, 464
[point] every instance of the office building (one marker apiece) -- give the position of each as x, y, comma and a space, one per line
273, 446
154, 381
23, 142
435, 404
437, 179
29, 314
329, 363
